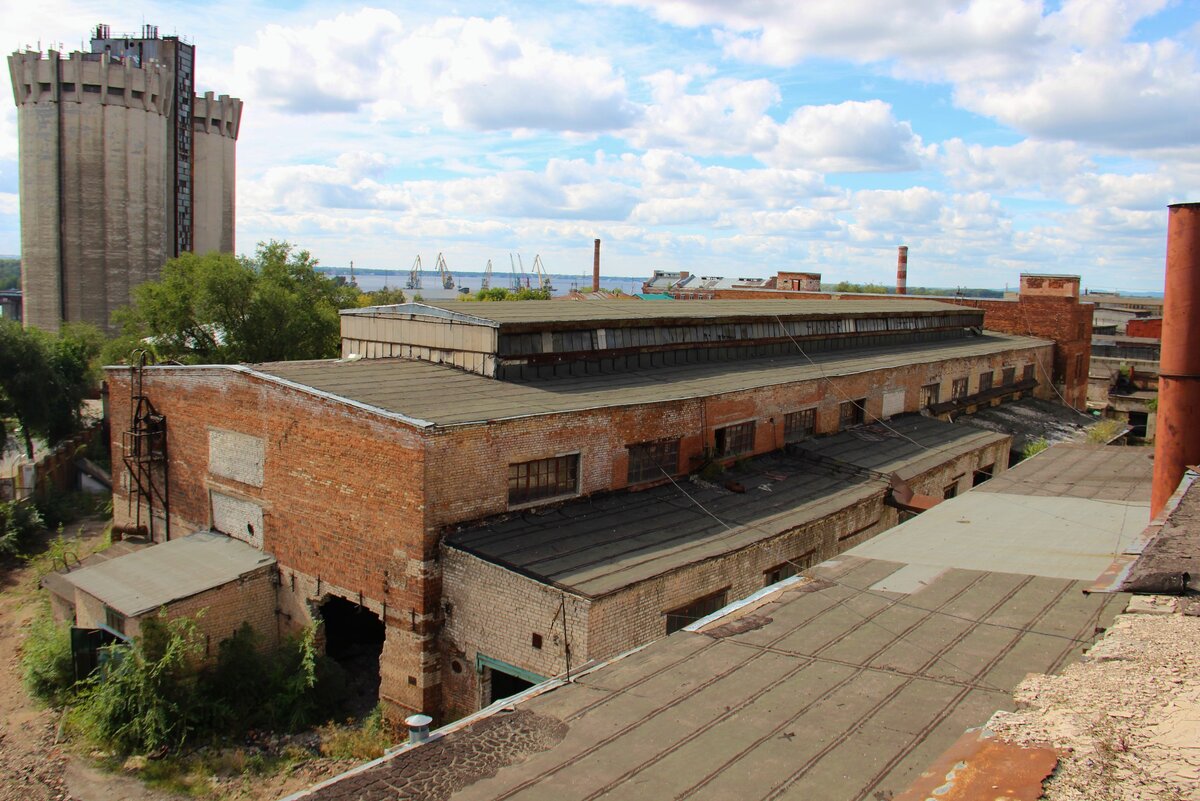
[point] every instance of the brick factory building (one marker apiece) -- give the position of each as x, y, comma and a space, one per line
417, 491
122, 166
1047, 306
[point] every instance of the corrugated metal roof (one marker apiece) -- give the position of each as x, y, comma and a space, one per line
446, 396
145, 580
549, 312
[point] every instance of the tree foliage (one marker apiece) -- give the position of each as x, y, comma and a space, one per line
44, 380
500, 293
10, 273
220, 309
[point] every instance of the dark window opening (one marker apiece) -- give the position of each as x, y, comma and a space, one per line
1138, 420
950, 490
354, 639
543, 478
799, 425
930, 394
1028, 374
536, 641
734, 440
701, 607
852, 413
982, 474
985, 381
114, 620
789, 568
650, 460
1009, 376
958, 390
505, 685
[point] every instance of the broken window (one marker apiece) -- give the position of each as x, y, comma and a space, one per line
543, 478
985, 381
651, 460
958, 390
789, 568
930, 394
689, 614
734, 440
851, 413
982, 474
799, 425
1009, 376
950, 490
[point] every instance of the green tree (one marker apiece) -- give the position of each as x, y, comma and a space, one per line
10, 273
221, 309
44, 380
382, 297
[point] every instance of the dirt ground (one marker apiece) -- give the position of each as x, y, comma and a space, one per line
36, 766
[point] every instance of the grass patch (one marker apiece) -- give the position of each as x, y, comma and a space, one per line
366, 741
1034, 447
1104, 431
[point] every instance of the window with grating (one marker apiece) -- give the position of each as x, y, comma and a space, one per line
985, 381
851, 413
1009, 376
649, 460
799, 425
930, 394
543, 478
735, 440
958, 390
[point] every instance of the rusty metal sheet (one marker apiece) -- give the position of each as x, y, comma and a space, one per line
980, 767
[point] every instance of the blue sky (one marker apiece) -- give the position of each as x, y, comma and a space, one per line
990, 136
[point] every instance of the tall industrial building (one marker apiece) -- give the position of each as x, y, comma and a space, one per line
122, 166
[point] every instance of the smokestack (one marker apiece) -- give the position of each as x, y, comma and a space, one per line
596, 268
1177, 441
902, 271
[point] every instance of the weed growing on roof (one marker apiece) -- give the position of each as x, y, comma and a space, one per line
1104, 431
1034, 447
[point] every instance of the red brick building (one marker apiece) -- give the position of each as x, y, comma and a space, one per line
352, 472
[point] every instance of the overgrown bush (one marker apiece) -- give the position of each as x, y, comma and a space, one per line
367, 741
46, 659
19, 522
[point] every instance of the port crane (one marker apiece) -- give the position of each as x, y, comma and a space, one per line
414, 275
443, 271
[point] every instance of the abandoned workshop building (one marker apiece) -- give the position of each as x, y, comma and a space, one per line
508, 490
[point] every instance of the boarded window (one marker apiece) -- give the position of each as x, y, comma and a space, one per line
930, 394
851, 413
237, 456
734, 440
958, 390
799, 425
1009, 376
543, 478
985, 381
653, 460
239, 518
689, 614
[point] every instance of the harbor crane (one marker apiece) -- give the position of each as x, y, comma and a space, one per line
414, 275
443, 271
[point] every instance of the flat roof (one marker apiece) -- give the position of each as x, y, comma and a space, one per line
545, 312
1028, 419
442, 395
908, 445
144, 580
598, 545
1079, 470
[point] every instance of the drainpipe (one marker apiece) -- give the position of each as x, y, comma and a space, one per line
596, 268
1177, 440
902, 271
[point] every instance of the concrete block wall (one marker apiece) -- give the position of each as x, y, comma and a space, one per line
495, 611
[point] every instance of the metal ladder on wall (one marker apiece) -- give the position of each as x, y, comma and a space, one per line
144, 452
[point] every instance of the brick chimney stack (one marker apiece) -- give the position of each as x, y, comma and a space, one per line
596, 268
902, 271
1177, 438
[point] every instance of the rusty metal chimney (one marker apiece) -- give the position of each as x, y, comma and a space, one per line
596, 268
1177, 441
902, 271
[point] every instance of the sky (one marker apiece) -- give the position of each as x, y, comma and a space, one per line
992, 137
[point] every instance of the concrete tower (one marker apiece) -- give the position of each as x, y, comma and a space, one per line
121, 168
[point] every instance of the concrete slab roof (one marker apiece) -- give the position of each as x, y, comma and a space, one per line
144, 580
596, 546
550, 312
828, 691
1078, 470
909, 445
445, 396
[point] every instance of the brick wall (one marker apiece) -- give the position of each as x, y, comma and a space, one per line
1145, 327
495, 611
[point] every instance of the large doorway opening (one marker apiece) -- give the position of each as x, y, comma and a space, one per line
354, 639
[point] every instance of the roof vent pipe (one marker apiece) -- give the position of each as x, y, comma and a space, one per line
902, 271
1177, 438
596, 268
418, 728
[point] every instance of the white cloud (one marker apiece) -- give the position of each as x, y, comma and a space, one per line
1030, 165
853, 136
